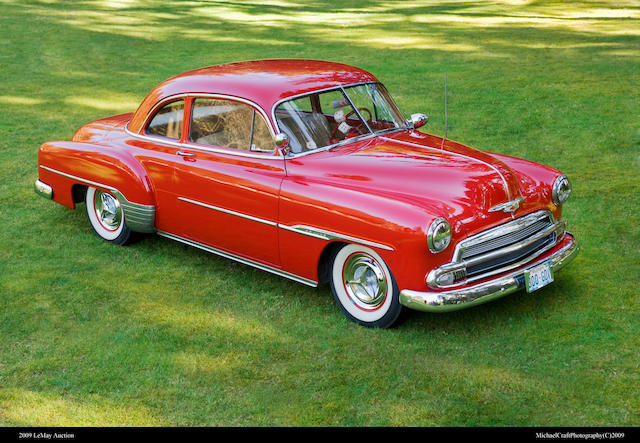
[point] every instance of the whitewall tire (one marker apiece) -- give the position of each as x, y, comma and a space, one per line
364, 287
106, 216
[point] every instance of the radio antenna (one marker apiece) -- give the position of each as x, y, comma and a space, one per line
445, 111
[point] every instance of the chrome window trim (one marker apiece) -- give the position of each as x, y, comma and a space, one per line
207, 95
342, 142
306, 94
139, 217
228, 151
189, 145
292, 155
239, 259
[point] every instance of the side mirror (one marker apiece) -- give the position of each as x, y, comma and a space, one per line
419, 120
282, 141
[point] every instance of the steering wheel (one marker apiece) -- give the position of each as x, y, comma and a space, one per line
354, 128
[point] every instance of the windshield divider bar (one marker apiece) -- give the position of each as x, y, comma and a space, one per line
355, 108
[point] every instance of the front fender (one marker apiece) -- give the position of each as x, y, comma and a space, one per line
314, 214
63, 165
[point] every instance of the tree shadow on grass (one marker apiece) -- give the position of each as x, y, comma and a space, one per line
179, 337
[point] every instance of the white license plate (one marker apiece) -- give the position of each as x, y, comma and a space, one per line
536, 278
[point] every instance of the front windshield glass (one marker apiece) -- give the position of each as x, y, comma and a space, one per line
330, 117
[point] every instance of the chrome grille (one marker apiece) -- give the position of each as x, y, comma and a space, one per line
501, 248
497, 249
511, 257
504, 240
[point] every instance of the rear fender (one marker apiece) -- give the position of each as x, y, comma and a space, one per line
65, 165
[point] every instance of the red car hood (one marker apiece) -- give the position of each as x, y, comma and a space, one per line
454, 181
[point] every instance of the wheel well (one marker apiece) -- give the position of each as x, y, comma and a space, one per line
78, 193
324, 263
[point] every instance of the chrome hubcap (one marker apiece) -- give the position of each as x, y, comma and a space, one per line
108, 210
365, 281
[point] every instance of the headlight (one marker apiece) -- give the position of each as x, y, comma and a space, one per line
438, 235
561, 190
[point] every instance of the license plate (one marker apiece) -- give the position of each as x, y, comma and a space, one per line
537, 277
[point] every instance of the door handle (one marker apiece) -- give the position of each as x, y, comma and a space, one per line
185, 154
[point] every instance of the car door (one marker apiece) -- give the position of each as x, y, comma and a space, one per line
227, 178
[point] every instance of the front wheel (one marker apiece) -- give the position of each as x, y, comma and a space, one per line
106, 216
364, 287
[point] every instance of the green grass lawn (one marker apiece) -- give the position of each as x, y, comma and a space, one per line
158, 333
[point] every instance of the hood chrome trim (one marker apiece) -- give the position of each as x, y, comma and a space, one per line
504, 180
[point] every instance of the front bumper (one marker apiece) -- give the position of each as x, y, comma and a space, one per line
487, 291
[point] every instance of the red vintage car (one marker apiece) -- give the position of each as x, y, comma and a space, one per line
308, 169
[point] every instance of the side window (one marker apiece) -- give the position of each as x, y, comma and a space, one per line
168, 121
261, 140
229, 124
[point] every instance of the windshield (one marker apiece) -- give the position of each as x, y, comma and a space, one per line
330, 117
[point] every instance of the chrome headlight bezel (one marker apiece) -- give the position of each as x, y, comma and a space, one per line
561, 190
438, 235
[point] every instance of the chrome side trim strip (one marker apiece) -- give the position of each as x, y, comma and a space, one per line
74, 177
228, 211
139, 217
483, 292
242, 260
330, 235
309, 231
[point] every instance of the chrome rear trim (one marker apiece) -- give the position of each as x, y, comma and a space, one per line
139, 217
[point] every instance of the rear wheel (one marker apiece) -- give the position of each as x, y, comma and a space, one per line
364, 287
106, 216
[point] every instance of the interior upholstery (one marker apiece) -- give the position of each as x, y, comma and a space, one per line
311, 131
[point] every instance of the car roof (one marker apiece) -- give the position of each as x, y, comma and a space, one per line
264, 82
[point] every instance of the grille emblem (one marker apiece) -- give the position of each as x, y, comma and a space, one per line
508, 206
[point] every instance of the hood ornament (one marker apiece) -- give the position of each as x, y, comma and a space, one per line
510, 207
